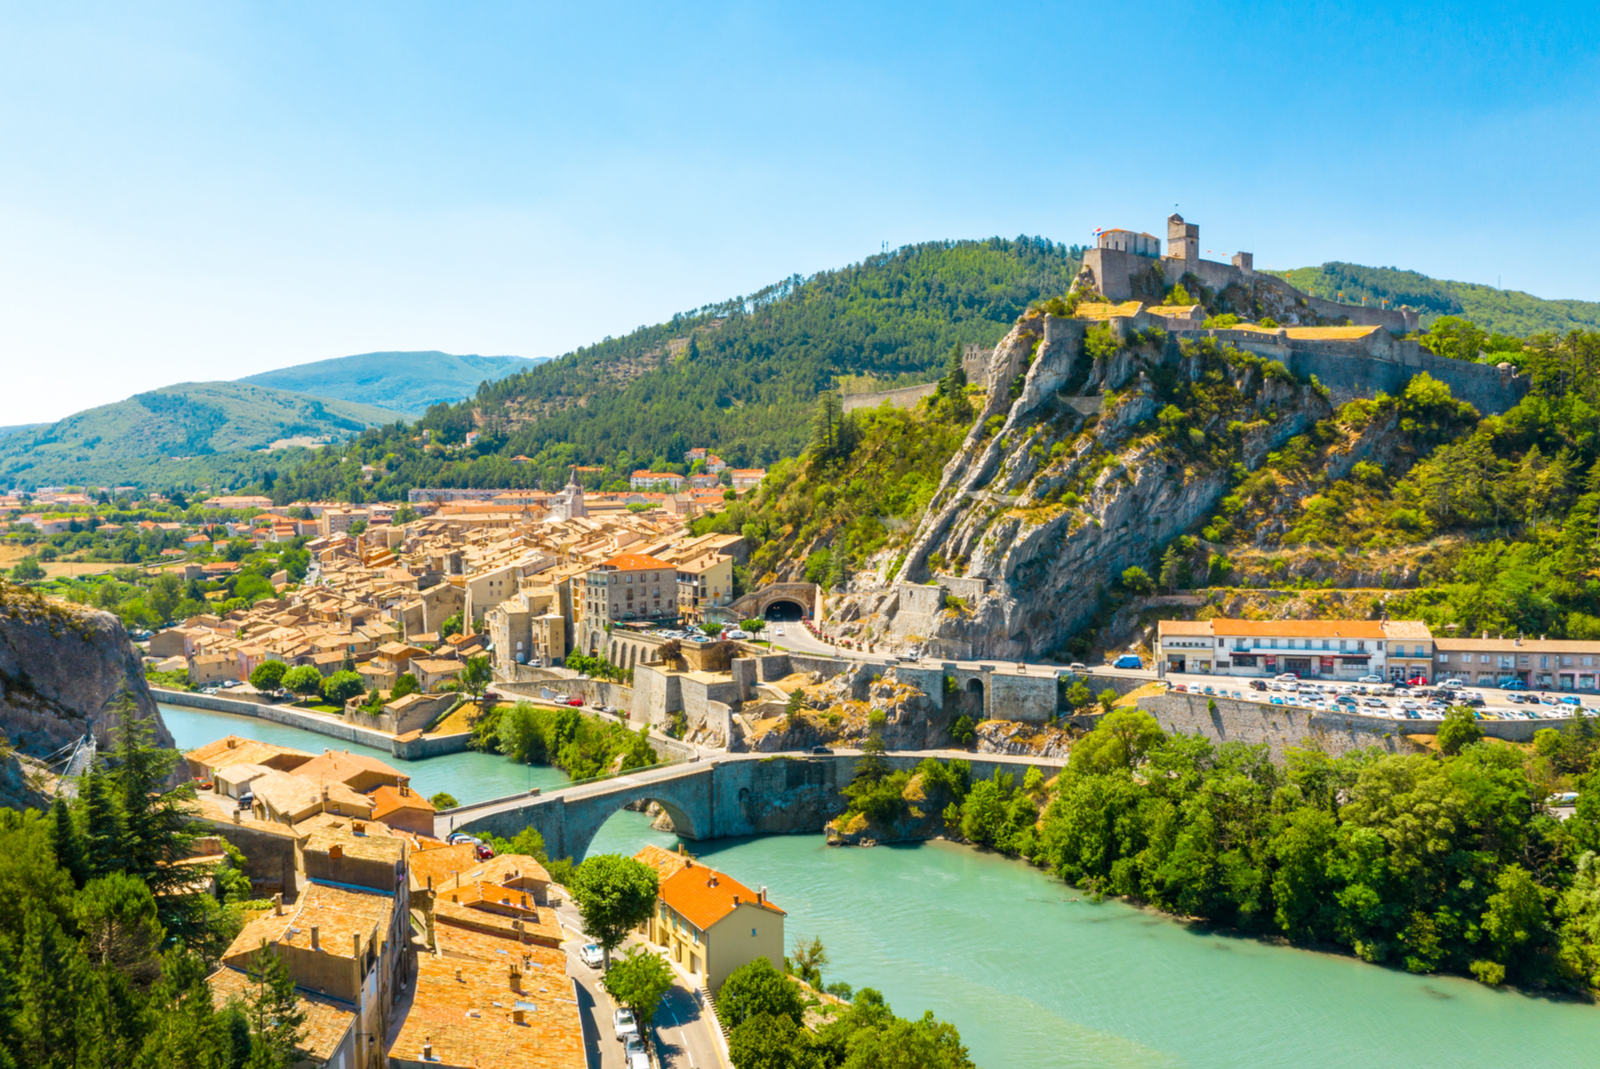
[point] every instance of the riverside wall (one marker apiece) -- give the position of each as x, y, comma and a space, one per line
1280, 727
401, 746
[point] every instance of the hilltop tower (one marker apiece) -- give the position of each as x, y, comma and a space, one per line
1183, 239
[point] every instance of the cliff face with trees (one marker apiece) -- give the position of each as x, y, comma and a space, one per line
65, 671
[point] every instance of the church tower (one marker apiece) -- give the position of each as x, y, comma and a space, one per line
1183, 239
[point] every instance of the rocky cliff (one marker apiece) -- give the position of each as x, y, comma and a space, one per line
1095, 447
62, 670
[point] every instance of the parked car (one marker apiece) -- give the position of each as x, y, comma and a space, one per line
1370, 679
575, 701
624, 1023
455, 838
1128, 660
1076, 666
1570, 699
1256, 684
1563, 798
820, 750
1287, 677
246, 800
592, 956
1181, 688
485, 851
634, 1053
562, 699
1513, 684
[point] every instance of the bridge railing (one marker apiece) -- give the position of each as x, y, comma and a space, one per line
536, 792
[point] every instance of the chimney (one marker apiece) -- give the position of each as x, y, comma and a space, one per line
336, 851
430, 885
232, 742
458, 974
325, 786
358, 827
761, 895
316, 943
518, 1016
736, 900
277, 904
516, 979
427, 1045
355, 944
237, 818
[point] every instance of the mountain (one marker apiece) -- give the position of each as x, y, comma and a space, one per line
169, 434
17, 428
1495, 310
402, 382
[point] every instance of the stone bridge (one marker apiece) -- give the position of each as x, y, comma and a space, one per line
730, 794
793, 596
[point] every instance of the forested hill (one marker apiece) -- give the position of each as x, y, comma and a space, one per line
1495, 310
740, 377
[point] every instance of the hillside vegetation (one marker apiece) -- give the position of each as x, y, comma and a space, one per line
408, 383
153, 437
1494, 310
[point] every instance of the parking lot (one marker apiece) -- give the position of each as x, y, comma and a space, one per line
1392, 701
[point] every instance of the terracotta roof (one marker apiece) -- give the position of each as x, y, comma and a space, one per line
1512, 645
1412, 629
1108, 311
443, 863
508, 869
342, 766
634, 562
538, 925
290, 793
234, 750
705, 896
328, 1020
388, 848
387, 799
338, 913
464, 1005
1326, 333
665, 862
1298, 628
1183, 627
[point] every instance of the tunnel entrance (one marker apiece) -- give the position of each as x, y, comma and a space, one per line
784, 611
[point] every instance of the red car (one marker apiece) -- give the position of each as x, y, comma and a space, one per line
1417, 682
575, 701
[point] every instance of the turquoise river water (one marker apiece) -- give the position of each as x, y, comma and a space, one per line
1034, 976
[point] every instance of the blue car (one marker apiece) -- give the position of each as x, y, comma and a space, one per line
1128, 660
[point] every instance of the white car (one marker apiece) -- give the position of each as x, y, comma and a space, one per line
778, 632
592, 956
1287, 677
624, 1023
634, 1054
561, 699
1370, 679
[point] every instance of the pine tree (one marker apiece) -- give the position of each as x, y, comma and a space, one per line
156, 820
103, 828
67, 843
273, 1009
47, 990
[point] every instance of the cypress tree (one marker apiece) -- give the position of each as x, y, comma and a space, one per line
68, 844
47, 1011
276, 1018
103, 828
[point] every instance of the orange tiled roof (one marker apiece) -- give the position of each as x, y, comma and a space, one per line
328, 1020
387, 799
341, 766
634, 562
666, 863
705, 896
1183, 627
1406, 629
1298, 628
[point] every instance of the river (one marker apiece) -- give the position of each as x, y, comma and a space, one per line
1034, 976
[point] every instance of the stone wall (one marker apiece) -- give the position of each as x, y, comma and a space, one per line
279, 714
1284, 726
1020, 697
905, 397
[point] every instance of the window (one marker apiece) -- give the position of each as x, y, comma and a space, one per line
1444, 658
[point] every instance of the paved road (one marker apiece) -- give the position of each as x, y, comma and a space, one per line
684, 1034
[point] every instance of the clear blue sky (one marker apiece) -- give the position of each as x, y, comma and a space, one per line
207, 190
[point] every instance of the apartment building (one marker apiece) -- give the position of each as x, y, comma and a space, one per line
1546, 664
631, 586
1331, 649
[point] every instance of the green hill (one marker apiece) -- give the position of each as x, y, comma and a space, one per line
167, 434
738, 377
1495, 310
402, 382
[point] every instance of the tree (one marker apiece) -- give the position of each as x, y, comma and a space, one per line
304, 680
873, 765
67, 843
268, 675
1119, 741
1107, 698
103, 829
1137, 580
1174, 569
27, 569
615, 895
808, 959
342, 686
405, 683
767, 1042
755, 625
475, 677
443, 800
273, 1010
963, 732
754, 989
792, 707
639, 981
451, 626
164, 593
1459, 728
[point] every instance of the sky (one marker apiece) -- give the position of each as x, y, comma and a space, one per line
197, 191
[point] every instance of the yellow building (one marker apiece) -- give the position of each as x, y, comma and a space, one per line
710, 923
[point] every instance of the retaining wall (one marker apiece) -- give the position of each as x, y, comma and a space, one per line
905, 397
279, 714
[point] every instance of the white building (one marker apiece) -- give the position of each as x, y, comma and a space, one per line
1331, 649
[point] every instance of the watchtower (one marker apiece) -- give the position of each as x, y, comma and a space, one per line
1183, 239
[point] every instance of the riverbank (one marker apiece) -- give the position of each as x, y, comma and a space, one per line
413, 746
1035, 974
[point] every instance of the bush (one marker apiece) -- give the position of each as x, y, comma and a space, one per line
404, 684
963, 732
1137, 581
1458, 729
446, 800
758, 988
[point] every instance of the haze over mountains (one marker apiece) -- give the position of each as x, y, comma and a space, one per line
406, 382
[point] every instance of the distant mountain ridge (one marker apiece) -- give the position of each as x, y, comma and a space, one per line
1495, 310
406, 382
147, 437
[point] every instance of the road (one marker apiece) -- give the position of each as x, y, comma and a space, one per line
685, 1036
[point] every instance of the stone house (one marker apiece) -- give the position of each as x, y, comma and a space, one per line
708, 922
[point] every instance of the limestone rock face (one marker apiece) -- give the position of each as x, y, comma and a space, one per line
1066, 479
62, 669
